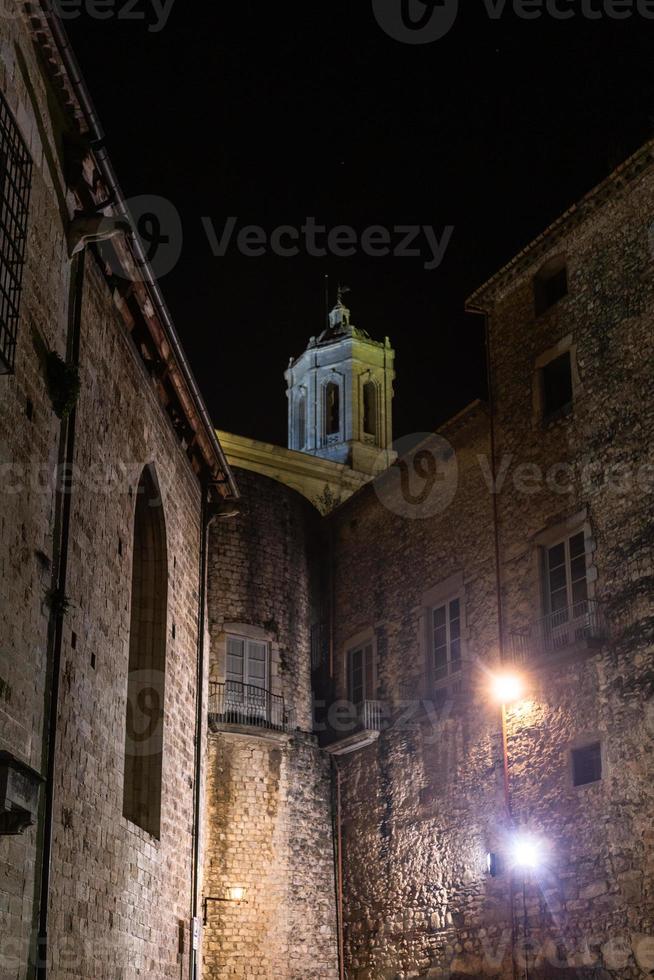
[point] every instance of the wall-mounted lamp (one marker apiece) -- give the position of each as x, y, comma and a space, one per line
507, 688
235, 894
526, 853
493, 864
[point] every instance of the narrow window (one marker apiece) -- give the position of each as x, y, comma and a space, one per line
147, 661
301, 422
361, 674
15, 182
557, 387
446, 639
566, 593
246, 677
587, 764
370, 409
332, 409
550, 285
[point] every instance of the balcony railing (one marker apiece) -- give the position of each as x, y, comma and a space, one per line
579, 624
244, 705
349, 732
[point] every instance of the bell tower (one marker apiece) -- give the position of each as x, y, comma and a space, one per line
340, 395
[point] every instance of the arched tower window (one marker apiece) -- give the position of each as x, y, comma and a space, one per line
332, 409
147, 661
370, 423
301, 421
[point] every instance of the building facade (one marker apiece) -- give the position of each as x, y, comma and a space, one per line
110, 470
540, 564
248, 717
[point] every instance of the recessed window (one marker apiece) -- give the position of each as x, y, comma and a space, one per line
557, 387
361, 679
566, 586
15, 182
147, 661
247, 677
550, 285
370, 409
332, 409
446, 639
301, 422
587, 764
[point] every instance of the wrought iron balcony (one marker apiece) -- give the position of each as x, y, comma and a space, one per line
357, 727
235, 705
581, 624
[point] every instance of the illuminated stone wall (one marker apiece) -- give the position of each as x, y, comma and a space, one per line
268, 797
419, 814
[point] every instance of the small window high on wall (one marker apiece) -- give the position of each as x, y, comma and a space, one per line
550, 284
370, 409
332, 409
147, 661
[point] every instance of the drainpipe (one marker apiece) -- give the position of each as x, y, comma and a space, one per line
199, 730
338, 866
64, 507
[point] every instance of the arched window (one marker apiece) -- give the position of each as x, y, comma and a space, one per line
147, 660
370, 409
332, 409
301, 422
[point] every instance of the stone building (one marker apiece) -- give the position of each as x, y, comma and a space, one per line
246, 714
110, 472
540, 562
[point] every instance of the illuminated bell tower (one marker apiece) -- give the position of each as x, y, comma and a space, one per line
340, 396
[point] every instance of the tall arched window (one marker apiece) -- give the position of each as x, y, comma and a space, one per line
332, 409
301, 421
370, 409
147, 660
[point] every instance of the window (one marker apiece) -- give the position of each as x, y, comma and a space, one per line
587, 764
301, 422
557, 387
370, 409
15, 180
550, 284
147, 661
566, 584
361, 670
332, 409
446, 639
247, 664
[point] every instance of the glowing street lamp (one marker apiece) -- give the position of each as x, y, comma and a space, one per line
507, 688
526, 853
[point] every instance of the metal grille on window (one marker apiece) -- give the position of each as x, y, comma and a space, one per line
15, 179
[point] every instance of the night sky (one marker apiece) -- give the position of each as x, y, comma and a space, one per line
272, 112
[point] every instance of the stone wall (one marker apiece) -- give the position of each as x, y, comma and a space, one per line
268, 812
120, 899
421, 812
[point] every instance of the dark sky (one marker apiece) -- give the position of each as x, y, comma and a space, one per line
272, 112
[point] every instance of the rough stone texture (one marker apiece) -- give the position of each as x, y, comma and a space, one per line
418, 817
268, 825
119, 898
